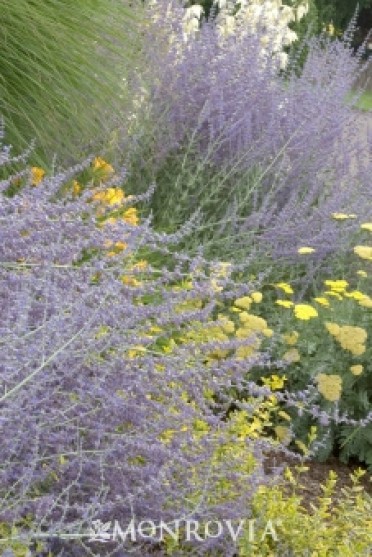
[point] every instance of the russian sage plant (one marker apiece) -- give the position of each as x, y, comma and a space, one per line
109, 409
278, 154
101, 416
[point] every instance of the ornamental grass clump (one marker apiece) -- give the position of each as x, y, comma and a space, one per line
61, 72
267, 157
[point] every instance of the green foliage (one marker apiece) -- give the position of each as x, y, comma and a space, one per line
336, 525
365, 102
61, 72
339, 12
17, 540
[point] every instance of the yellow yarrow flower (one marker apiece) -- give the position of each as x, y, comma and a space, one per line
227, 325
283, 434
136, 351
243, 303
245, 351
332, 328
37, 175
358, 334
215, 285
275, 382
287, 288
243, 332
284, 303
322, 301
291, 338
366, 302
333, 294
256, 297
284, 415
338, 286
366, 226
356, 295
292, 356
305, 250
253, 322
141, 265
356, 369
343, 216
365, 252
305, 312
330, 386
362, 273
351, 338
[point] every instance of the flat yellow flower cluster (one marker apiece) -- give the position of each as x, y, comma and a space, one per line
330, 386
364, 252
250, 326
304, 312
350, 338
339, 289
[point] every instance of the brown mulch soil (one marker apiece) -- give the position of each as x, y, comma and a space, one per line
317, 475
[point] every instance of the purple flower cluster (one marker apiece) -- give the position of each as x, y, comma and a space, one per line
97, 419
102, 417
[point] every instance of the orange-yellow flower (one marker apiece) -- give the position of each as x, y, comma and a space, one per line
131, 217
102, 165
37, 175
111, 196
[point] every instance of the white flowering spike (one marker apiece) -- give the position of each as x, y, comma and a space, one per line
283, 60
194, 11
302, 10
